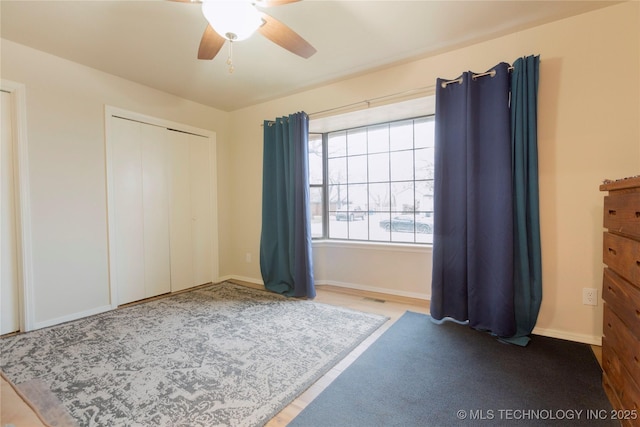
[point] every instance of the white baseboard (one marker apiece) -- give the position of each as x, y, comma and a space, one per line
74, 316
356, 286
415, 295
241, 278
569, 336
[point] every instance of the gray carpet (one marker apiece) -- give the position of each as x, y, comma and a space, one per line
422, 374
220, 355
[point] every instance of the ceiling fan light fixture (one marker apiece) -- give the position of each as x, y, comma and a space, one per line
233, 20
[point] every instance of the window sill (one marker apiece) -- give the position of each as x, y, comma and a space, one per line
376, 246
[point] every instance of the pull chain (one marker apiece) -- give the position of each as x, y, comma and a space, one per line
230, 57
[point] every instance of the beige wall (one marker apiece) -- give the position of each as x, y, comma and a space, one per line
589, 109
65, 131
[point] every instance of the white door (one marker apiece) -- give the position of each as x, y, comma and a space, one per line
181, 216
139, 206
201, 209
191, 211
155, 207
9, 276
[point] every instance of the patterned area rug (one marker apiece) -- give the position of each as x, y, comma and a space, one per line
223, 355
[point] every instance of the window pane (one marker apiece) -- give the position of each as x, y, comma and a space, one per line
358, 199
402, 165
315, 159
337, 144
378, 138
424, 163
424, 129
424, 196
357, 169
338, 229
379, 226
402, 227
379, 167
358, 229
424, 227
317, 211
357, 141
379, 200
402, 197
337, 195
337, 173
401, 135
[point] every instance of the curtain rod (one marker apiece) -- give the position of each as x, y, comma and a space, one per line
377, 99
473, 76
368, 101
407, 92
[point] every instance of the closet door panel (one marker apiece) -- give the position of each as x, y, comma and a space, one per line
127, 239
180, 212
155, 207
9, 272
201, 209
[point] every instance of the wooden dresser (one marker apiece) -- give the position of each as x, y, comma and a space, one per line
621, 294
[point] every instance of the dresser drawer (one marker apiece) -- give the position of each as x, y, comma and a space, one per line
626, 345
623, 298
622, 213
615, 401
622, 255
625, 388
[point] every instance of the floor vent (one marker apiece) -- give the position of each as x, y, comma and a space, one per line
374, 300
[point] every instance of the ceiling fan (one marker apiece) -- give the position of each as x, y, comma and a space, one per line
234, 20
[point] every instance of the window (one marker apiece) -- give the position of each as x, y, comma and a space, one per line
374, 183
316, 185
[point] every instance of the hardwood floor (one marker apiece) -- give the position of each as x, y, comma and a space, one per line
14, 411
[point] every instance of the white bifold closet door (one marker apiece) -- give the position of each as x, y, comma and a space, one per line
140, 209
190, 211
161, 206
9, 296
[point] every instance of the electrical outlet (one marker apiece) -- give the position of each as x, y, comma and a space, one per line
589, 296
247, 257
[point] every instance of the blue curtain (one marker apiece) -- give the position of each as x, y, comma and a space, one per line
478, 274
526, 238
285, 243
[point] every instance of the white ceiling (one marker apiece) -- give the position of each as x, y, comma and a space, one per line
154, 42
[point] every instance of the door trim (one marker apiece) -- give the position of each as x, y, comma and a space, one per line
23, 205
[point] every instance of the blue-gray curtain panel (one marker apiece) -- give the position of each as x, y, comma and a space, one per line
285, 243
527, 277
473, 209
486, 249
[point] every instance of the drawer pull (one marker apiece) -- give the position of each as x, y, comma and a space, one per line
613, 291
637, 214
637, 313
612, 251
613, 212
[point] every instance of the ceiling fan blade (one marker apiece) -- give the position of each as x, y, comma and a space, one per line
268, 3
285, 37
210, 44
